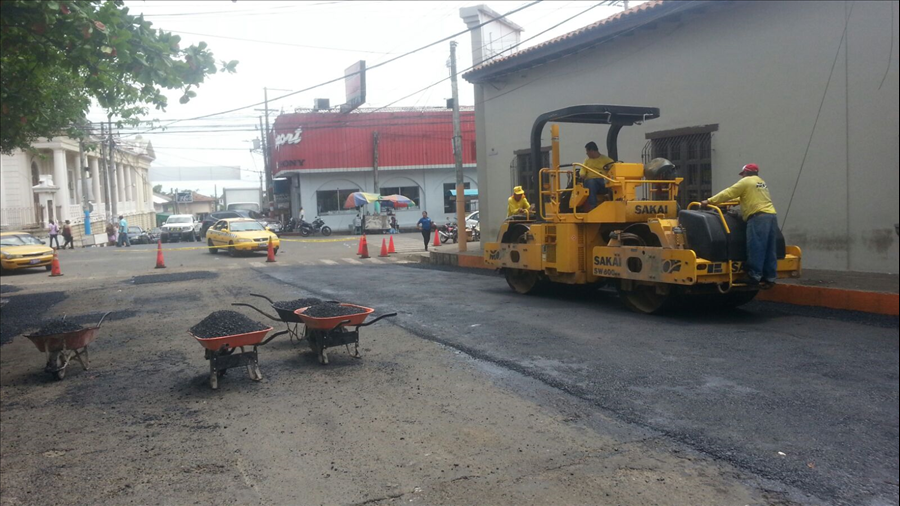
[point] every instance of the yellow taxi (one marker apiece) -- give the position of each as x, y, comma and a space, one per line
21, 250
240, 235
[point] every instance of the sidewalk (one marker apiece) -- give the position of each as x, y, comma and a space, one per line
853, 291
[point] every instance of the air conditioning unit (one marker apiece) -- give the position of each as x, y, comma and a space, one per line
321, 104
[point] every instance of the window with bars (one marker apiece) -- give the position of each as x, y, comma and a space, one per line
524, 175
450, 201
331, 201
692, 156
410, 192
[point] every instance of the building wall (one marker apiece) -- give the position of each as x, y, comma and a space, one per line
430, 182
759, 70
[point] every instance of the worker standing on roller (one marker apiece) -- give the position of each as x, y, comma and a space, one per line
762, 223
517, 203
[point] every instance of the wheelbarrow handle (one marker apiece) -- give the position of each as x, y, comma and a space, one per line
340, 324
102, 318
257, 310
273, 336
261, 297
375, 320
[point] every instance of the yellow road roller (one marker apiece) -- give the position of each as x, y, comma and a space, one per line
637, 239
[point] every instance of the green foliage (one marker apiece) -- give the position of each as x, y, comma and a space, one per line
157, 188
59, 56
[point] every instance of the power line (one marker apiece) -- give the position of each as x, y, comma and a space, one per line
281, 43
530, 4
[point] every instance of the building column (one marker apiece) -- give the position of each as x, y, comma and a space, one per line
120, 182
129, 190
61, 180
94, 164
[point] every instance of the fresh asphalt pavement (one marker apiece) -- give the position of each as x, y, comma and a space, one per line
803, 401
803, 397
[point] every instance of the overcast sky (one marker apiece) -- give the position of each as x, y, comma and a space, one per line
295, 45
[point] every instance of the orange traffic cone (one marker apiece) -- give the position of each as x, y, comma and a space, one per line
384, 251
54, 265
359, 249
437, 240
271, 257
364, 246
160, 263
391, 246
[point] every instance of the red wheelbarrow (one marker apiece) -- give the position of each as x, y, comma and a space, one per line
63, 347
220, 351
331, 332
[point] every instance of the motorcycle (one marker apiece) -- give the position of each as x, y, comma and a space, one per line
290, 226
307, 229
448, 232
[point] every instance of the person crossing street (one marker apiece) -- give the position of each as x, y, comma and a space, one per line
425, 225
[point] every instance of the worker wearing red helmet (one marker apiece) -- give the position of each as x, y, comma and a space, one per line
762, 223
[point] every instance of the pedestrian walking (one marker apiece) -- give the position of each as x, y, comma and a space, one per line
123, 233
357, 228
54, 234
762, 224
425, 225
67, 235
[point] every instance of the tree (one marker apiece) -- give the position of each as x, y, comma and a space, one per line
59, 56
157, 188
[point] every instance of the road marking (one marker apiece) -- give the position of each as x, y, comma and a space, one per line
352, 261
328, 262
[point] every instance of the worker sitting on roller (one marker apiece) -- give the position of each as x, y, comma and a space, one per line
592, 180
517, 204
762, 223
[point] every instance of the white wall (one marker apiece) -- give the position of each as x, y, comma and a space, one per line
759, 71
429, 181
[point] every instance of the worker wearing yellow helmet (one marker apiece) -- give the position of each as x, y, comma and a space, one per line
517, 203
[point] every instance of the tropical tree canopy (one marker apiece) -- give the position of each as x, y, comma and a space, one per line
59, 56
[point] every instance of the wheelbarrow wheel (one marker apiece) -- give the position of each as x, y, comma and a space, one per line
255, 373
213, 376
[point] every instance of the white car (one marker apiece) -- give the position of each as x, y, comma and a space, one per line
180, 226
472, 220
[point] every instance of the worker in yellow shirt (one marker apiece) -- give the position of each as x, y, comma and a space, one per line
762, 223
517, 203
592, 181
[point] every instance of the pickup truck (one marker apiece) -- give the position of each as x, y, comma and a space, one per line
180, 226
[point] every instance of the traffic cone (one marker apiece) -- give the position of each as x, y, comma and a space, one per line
364, 248
160, 263
271, 257
384, 250
54, 266
359, 249
437, 240
391, 246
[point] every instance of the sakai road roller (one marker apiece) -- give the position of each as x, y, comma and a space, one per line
637, 239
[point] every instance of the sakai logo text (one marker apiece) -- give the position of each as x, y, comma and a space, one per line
608, 261
651, 209
672, 266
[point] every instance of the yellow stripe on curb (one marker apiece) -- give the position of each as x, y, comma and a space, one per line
225, 247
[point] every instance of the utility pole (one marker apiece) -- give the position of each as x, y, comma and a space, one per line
85, 203
103, 170
457, 156
375, 160
268, 169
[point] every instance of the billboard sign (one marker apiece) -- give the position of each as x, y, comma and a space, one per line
355, 86
184, 197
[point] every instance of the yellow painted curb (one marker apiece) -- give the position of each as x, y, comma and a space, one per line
188, 248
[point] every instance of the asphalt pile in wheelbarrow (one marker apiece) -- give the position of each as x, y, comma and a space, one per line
327, 310
58, 326
293, 305
225, 323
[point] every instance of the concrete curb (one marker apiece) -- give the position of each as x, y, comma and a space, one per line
831, 298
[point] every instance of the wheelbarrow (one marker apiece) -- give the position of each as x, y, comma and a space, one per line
62, 348
286, 316
324, 333
220, 351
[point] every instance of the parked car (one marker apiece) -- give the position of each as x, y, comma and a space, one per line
212, 218
472, 220
240, 235
21, 250
154, 234
178, 227
137, 235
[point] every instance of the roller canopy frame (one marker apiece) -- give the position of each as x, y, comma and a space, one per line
616, 116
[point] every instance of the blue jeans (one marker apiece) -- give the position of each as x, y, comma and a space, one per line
123, 239
596, 186
762, 235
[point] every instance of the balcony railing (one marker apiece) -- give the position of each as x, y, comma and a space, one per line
19, 218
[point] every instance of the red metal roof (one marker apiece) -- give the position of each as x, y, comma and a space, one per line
604, 27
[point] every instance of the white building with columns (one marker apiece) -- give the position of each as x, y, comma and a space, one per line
47, 183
